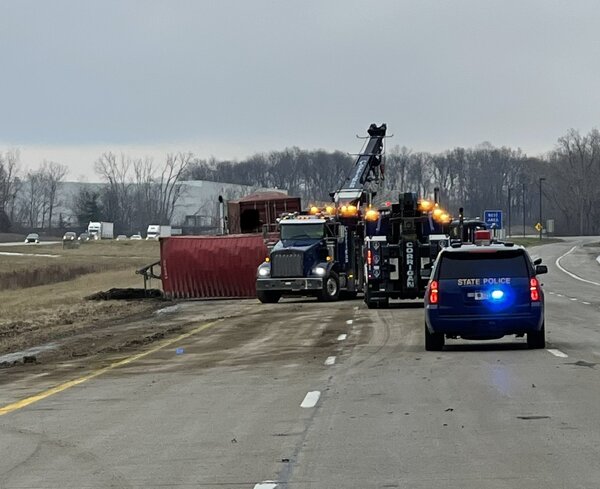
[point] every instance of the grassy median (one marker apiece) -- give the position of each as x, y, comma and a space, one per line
527, 242
42, 292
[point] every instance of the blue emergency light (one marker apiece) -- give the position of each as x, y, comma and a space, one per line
497, 294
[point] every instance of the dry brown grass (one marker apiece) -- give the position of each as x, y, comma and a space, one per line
66, 264
42, 298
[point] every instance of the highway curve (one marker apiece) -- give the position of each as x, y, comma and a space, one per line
310, 395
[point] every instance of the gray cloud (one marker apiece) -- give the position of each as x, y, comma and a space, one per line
266, 74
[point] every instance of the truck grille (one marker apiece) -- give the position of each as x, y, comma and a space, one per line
287, 264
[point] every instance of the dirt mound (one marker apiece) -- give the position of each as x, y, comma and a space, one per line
125, 294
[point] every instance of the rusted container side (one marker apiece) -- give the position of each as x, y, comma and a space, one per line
251, 213
211, 266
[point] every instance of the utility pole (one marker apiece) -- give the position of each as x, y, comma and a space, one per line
540, 221
523, 202
509, 208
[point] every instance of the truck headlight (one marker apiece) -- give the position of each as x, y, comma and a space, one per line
320, 271
264, 271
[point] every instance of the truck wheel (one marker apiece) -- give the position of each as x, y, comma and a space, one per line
433, 341
268, 296
537, 339
331, 288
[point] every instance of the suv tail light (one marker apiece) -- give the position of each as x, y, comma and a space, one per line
433, 292
369, 257
534, 289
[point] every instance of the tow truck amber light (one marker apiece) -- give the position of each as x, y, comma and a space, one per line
349, 210
433, 292
534, 288
314, 210
369, 257
372, 215
425, 205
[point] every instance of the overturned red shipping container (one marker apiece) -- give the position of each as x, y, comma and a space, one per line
211, 266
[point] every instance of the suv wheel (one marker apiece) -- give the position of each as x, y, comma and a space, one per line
433, 341
537, 339
331, 288
268, 296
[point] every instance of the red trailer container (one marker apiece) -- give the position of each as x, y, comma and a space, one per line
251, 213
211, 266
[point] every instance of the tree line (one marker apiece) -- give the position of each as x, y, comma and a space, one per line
477, 178
30, 198
137, 191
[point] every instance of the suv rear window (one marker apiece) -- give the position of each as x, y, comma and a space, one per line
493, 264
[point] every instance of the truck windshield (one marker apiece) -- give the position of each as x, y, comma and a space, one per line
480, 265
302, 231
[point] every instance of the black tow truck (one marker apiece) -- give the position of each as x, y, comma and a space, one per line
401, 244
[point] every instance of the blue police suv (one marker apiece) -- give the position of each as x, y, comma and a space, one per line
484, 292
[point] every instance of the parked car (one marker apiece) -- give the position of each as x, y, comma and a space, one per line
136, 237
121, 237
32, 238
84, 237
70, 236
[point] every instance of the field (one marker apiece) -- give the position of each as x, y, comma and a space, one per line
530, 241
42, 292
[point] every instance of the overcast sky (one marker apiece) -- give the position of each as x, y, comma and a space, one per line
228, 78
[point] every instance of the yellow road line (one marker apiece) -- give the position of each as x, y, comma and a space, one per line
9, 408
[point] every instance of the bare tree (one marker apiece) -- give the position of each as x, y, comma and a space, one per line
52, 175
169, 186
9, 182
32, 199
117, 198
145, 196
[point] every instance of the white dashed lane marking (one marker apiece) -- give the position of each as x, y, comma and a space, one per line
330, 361
342, 337
349, 321
586, 303
557, 353
311, 399
572, 298
266, 485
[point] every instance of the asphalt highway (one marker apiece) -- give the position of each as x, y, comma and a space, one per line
306, 395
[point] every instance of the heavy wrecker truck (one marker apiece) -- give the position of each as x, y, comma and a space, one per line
402, 242
350, 247
320, 252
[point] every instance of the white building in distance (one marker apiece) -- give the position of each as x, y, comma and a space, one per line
198, 206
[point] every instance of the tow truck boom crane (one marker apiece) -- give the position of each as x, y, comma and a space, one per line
368, 171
